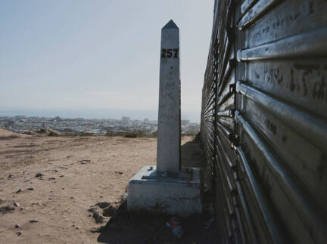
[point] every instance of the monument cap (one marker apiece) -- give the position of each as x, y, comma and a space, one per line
170, 25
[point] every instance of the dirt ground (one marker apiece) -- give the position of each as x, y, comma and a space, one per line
50, 187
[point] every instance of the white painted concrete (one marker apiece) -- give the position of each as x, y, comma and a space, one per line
170, 195
167, 188
169, 128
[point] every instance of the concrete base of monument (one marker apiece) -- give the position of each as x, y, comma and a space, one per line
177, 195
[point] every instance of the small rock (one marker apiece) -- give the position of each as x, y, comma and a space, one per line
32, 221
6, 209
92, 210
98, 229
30, 189
17, 226
98, 218
109, 211
85, 161
124, 196
61, 175
103, 204
119, 172
51, 178
19, 190
39, 175
10, 176
16, 204
18, 233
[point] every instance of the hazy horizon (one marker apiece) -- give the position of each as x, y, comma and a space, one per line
92, 114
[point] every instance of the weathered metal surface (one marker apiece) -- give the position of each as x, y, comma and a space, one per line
256, 11
299, 82
312, 44
291, 17
264, 120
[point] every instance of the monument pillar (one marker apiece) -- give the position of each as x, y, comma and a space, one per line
167, 188
169, 115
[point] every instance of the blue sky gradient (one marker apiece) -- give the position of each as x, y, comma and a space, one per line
98, 56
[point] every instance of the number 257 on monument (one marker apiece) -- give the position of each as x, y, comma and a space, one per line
169, 53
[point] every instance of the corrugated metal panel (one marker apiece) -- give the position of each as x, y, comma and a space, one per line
264, 120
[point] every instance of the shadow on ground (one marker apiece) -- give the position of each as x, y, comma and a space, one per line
143, 227
192, 155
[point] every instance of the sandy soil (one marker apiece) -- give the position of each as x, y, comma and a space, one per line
49, 183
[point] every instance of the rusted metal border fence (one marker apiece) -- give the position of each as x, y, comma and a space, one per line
264, 120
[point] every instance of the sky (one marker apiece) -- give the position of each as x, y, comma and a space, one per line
98, 58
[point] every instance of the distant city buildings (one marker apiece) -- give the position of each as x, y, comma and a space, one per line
78, 126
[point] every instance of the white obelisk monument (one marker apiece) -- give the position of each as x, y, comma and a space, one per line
167, 188
169, 118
